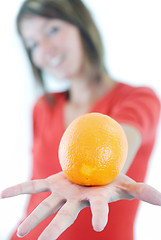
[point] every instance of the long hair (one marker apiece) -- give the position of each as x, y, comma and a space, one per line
74, 12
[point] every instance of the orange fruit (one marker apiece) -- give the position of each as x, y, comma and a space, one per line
93, 150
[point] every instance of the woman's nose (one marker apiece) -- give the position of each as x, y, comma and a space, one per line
49, 51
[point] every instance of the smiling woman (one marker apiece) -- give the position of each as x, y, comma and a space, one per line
44, 40
64, 42
78, 30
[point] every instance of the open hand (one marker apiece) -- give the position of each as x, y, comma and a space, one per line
72, 198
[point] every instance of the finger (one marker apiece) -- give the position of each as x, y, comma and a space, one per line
30, 187
99, 209
46, 208
145, 193
64, 218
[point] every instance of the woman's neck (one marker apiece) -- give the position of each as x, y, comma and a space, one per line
83, 92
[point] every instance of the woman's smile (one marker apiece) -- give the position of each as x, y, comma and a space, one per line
56, 61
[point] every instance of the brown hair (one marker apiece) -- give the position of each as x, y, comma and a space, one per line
74, 12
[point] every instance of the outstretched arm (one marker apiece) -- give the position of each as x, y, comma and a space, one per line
134, 143
72, 198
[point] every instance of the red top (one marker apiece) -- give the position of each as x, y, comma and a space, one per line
136, 106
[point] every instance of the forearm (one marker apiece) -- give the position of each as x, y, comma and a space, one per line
134, 142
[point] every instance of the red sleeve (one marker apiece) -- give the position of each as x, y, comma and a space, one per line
139, 108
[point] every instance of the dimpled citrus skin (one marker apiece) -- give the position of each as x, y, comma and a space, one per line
93, 150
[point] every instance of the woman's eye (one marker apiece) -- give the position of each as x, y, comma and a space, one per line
52, 30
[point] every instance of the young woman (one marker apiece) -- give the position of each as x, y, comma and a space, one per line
61, 38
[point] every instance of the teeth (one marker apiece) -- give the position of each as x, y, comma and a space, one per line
56, 61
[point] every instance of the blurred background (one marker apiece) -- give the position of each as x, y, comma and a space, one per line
131, 36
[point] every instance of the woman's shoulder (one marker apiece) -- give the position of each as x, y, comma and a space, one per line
130, 90
49, 101
126, 94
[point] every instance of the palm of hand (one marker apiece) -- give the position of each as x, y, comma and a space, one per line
73, 198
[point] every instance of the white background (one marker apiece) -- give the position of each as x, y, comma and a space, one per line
131, 35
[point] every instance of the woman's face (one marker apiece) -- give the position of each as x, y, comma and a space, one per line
55, 46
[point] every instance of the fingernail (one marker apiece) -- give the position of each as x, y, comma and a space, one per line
19, 235
4, 194
1, 195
